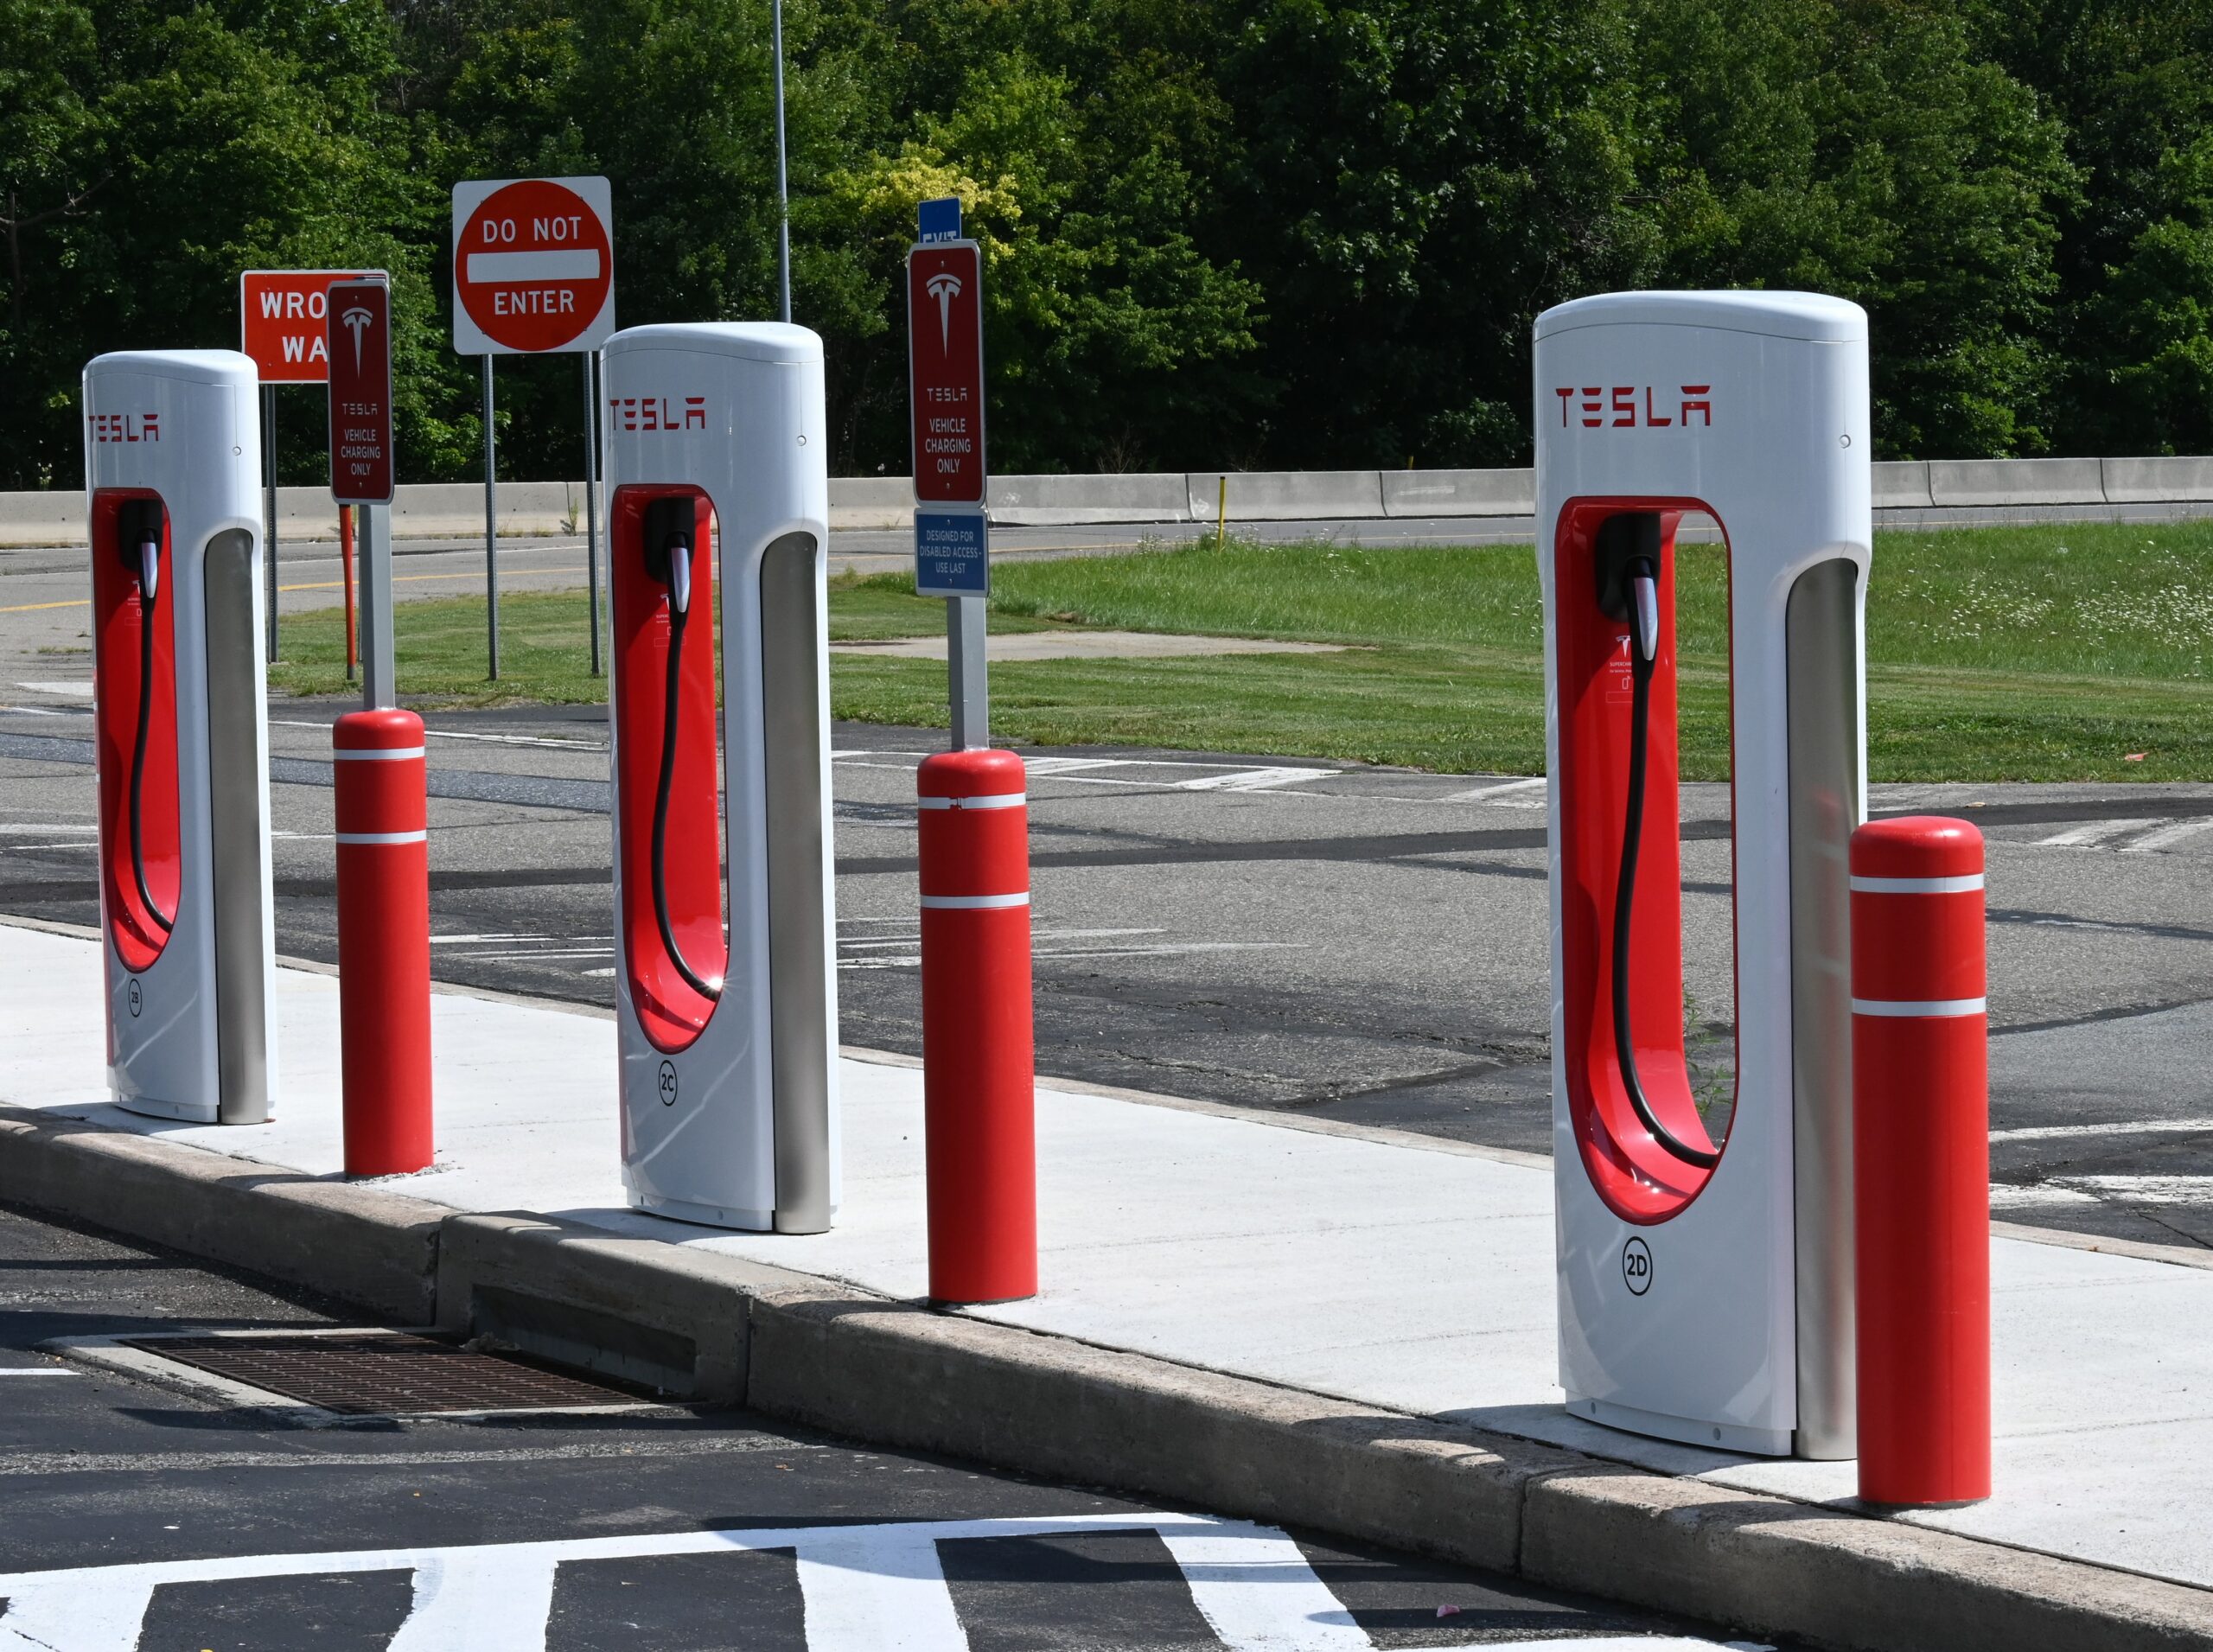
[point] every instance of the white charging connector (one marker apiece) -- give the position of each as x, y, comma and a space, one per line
150, 568
680, 577
1648, 617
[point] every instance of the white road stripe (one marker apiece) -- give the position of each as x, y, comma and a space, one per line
2090, 836
69, 1613
2168, 836
2132, 1127
1253, 779
873, 1588
1477, 793
1254, 1586
877, 1588
36, 1370
492, 1599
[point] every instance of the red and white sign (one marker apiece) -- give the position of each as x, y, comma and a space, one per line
945, 371
533, 266
358, 344
281, 322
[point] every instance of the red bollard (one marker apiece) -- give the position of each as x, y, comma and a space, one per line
1921, 1146
384, 941
979, 1100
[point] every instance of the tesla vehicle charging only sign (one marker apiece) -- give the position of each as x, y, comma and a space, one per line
945, 360
360, 346
281, 322
533, 266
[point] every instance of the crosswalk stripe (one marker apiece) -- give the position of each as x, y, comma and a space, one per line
868, 1588
2091, 835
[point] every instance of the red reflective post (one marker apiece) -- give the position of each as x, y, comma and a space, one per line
346, 579
979, 1100
1921, 1147
384, 941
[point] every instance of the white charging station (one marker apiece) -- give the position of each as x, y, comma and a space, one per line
725, 936
172, 466
1706, 1287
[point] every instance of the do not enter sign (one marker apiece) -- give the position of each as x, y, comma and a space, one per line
533, 266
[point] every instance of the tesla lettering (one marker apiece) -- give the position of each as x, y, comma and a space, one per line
1616, 407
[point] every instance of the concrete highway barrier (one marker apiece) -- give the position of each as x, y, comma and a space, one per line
546, 509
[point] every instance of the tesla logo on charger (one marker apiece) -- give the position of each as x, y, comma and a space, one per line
1635, 407
125, 427
654, 413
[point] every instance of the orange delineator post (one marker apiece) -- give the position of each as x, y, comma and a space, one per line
384, 941
1921, 1149
978, 1096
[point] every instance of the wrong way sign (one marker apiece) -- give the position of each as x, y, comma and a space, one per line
533, 266
280, 323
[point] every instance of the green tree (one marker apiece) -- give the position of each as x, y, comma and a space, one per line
1856, 147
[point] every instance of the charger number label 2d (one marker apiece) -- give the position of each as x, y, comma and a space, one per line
1636, 1266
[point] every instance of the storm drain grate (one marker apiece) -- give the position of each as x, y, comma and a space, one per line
380, 1373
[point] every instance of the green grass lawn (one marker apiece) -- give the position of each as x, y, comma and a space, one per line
2003, 654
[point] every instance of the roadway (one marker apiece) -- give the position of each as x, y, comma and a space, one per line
1364, 945
650, 1529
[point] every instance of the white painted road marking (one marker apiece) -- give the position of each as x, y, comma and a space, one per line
2168, 836
877, 1588
2132, 1127
1484, 793
2093, 834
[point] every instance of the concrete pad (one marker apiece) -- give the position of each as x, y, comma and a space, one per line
1089, 645
1384, 1272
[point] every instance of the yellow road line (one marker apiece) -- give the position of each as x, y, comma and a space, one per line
33, 608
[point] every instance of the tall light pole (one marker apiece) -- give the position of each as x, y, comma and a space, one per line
783, 195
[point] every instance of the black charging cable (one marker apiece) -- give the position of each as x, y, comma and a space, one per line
678, 550
149, 580
1644, 647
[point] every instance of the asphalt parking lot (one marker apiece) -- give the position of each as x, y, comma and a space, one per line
1353, 944
147, 1509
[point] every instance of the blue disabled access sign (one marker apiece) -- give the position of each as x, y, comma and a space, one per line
952, 556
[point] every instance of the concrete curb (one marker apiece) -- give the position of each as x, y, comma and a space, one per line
359, 1244
813, 1351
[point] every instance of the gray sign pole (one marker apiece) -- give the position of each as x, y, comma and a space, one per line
269, 509
378, 678
491, 528
591, 501
965, 678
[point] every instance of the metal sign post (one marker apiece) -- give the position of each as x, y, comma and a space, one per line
945, 379
362, 467
534, 274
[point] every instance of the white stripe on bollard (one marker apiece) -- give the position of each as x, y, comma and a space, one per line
994, 801
1921, 1007
972, 903
379, 755
384, 837
1918, 885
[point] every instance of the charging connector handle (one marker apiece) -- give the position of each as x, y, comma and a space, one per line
142, 554
1643, 658
675, 548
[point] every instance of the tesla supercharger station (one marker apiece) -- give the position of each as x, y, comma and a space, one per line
725, 943
172, 471
1705, 1290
